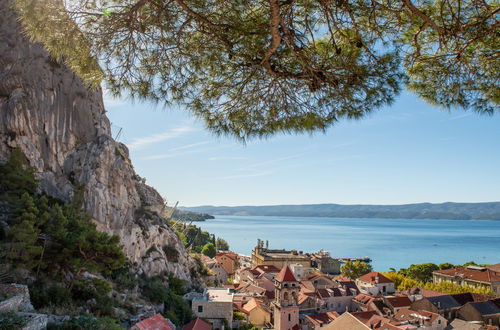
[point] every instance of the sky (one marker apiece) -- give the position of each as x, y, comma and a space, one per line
409, 152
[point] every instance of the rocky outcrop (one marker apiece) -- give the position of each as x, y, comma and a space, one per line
62, 128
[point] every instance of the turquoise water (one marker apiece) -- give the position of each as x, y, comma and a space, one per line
389, 242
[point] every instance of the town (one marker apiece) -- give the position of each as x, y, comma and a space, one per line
290, 289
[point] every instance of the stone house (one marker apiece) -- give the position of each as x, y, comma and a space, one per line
215, 305
375, 284
447, 305
487, 312
471, 275
229, 261
258, 314
396, 303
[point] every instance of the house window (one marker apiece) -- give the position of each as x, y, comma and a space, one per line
383, 288
200, 309
289, 317
439, 321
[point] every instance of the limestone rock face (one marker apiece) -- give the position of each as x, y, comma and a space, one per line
62, 128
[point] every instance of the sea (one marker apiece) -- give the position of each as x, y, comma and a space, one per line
390, 243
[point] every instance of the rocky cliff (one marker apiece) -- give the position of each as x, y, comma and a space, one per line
62, 128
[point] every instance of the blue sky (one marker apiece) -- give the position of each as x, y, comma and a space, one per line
409, 152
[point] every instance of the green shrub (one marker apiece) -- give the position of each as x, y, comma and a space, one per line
154, 289
87, 322
55, 295
11, 321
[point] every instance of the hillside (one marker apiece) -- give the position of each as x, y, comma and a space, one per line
451, 211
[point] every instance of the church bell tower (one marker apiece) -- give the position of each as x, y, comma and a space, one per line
286, 305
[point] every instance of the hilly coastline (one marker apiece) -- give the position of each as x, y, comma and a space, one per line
449, 211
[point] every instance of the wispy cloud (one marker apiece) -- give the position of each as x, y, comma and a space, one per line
467, 114
226, 158
139, 143
272, 161
248, 175
186, 150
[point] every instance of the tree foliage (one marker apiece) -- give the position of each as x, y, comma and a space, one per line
209, 250
402, 282
355, 269
49, 235
255, 67
420, 272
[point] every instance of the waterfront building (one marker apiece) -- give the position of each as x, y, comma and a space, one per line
474, 276
264, 256
325, 263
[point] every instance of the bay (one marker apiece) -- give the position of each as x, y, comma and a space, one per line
389, 243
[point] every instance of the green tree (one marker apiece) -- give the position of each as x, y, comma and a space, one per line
420, 272
16, 176
254, 68
22, 248
355, 269
209, 250
222, 244
446, 265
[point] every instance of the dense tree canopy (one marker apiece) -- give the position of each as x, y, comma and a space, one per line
355, 269
257, 67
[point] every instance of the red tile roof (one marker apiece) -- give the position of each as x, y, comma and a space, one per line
265, 269
398, 301
375, 278
486, 275
286, 275
155, 322
230, 255
197, 324
323, 318
364, 316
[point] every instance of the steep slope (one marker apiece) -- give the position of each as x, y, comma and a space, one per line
62, 128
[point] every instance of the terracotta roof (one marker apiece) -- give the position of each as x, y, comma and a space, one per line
375, 277
323, 318
398, 301
265, 269
363, 298
487, 275
495, 267
323, 293
364, 316
155, 322
254, 303
432, 316
302, 299
376, 321
197, 324
230, 255
286, 275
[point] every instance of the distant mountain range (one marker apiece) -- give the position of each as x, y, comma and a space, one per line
450, 211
